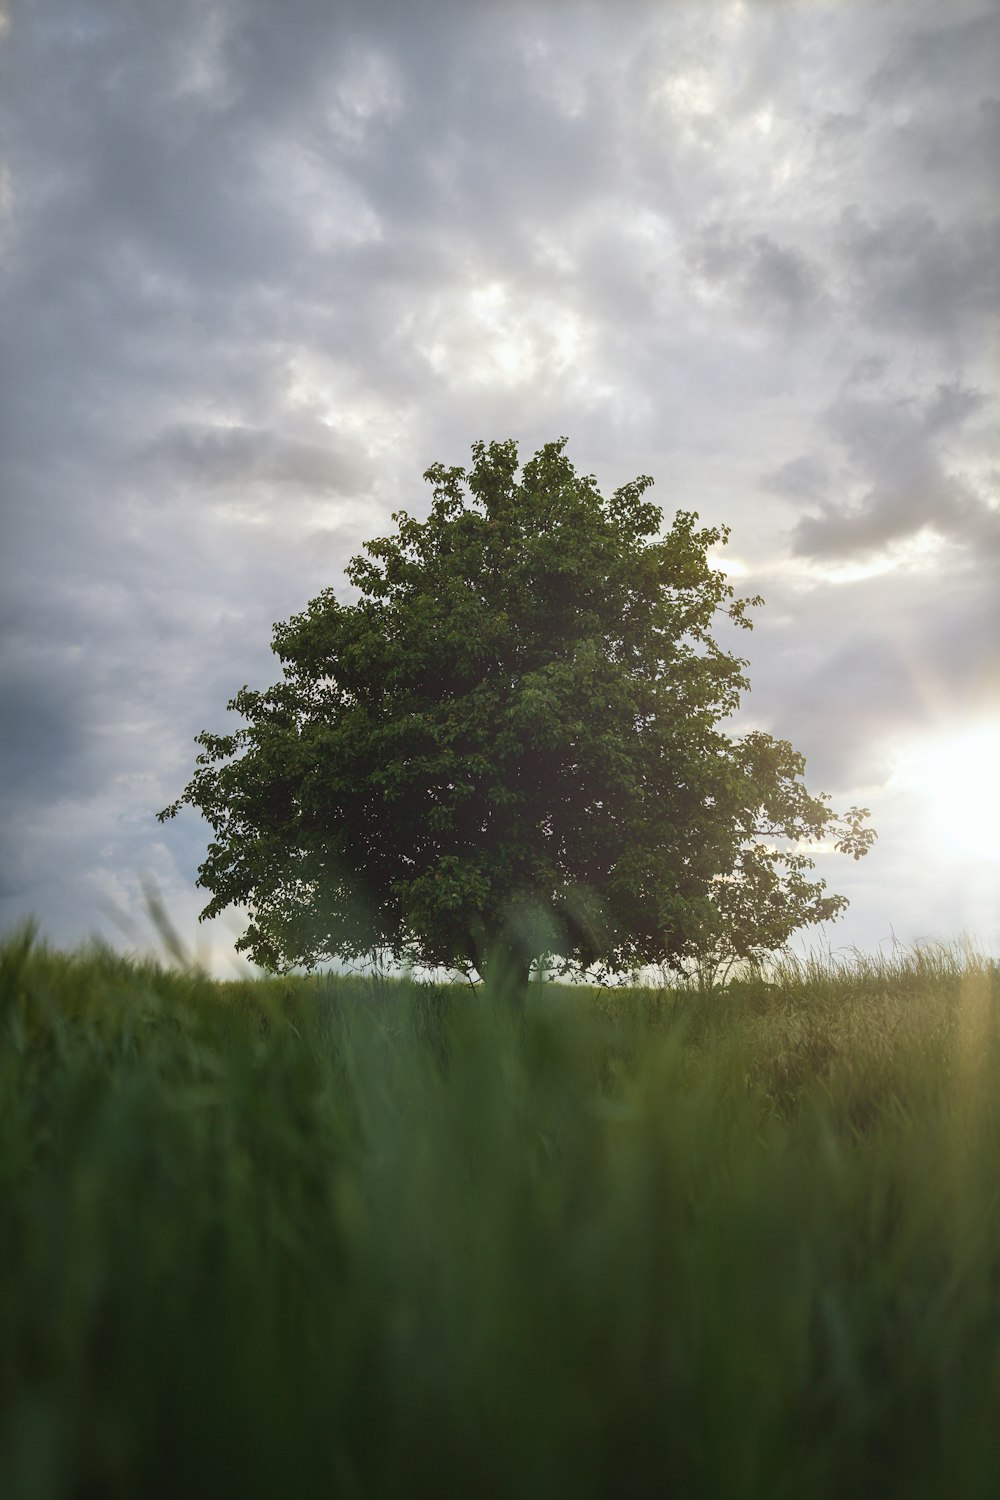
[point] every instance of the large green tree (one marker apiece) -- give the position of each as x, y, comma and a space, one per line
512, 745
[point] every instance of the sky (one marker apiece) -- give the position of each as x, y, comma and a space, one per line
261, 264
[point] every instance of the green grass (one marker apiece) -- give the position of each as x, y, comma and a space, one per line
325, 1237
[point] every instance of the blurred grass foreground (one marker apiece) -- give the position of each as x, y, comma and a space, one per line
334, 1237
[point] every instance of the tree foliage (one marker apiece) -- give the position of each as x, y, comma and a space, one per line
512, 744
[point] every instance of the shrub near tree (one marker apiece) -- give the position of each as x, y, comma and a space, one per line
511, 747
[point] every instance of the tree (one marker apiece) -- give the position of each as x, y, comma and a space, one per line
511, 746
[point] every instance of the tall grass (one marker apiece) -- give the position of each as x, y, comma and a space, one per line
327, 1237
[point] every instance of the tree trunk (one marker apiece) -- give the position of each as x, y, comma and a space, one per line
504, 970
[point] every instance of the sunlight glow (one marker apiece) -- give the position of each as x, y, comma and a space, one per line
913, 554
488, 336
731, 566
690, 93
956, 779
921, 553
323, 392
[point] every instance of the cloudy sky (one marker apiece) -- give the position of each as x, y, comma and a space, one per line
262, 263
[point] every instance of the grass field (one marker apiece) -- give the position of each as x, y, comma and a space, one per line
329, 1237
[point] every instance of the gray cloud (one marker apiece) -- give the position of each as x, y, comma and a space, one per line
806, 477
843, 673
43, 747
939, 64
910, 274
239, 456
763, 277
895, 452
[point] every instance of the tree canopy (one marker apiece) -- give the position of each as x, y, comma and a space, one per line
512, 745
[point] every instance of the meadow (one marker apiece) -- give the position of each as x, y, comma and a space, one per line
364, 1239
